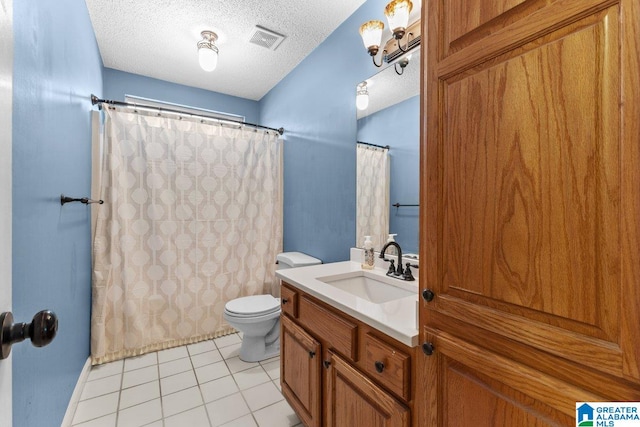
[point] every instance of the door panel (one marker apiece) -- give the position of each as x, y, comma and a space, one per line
529, 213
484, 389
535, 208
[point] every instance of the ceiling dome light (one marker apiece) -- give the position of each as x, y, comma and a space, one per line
362, 96
208, 51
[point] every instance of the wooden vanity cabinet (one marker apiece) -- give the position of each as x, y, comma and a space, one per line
352, 399
300, 375
336, 371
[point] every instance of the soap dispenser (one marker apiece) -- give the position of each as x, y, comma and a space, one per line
368, 259
391, 250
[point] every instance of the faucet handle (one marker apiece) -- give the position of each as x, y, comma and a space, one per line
407, 273
392, 266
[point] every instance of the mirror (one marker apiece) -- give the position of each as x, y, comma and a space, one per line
393, 118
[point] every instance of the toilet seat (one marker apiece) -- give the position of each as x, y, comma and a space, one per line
252, 306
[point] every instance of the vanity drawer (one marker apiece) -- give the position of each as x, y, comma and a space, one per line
388, 365
339, 334
289, 301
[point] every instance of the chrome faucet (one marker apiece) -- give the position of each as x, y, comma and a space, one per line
397, 272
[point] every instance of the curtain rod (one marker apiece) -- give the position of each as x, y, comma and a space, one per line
386, 147
95, 100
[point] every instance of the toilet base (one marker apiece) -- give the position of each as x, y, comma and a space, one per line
253, 349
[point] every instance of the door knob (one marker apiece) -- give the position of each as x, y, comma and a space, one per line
40, 331
428, 295
428, 348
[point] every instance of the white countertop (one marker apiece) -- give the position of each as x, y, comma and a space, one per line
396, 318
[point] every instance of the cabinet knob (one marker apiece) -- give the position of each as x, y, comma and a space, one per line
41, 331
428, 295
285, 300
379, 366
428, 348
311, 354
326, 364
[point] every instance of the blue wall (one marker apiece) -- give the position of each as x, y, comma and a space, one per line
117, 84
56, 67
315, 104
404, 138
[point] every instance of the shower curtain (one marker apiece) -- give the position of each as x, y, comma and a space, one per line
372, 195
192, 219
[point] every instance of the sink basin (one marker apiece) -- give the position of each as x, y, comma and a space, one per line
371, 287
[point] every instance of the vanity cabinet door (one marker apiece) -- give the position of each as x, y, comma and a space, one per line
300, 372
352, 399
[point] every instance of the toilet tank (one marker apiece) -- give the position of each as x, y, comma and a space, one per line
295, 259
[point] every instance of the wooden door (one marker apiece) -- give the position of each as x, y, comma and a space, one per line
300, 372
530, 231
352, 399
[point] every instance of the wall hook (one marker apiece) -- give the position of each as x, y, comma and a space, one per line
64, 199
399, 205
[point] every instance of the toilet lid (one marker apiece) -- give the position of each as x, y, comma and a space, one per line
253, 305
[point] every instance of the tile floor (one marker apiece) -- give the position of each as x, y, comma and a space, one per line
197, 385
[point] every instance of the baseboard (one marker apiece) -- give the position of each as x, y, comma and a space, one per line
77, 392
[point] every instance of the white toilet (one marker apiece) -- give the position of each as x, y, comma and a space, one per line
258, 316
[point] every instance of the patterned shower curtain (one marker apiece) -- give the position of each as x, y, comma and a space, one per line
372, 195
192, 219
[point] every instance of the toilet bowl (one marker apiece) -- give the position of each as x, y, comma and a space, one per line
258, 318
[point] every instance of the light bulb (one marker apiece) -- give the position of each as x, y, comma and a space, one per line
371, 33
397, 13
208, 58
208, 51
362, 97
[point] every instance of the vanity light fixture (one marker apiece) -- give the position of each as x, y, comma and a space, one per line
397, 13
403, 64
371, 33
362, 96
208, 51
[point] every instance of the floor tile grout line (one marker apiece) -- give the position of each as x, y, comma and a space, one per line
193, 369
240, 390
120, 394
162, 420
160, 388
99, 396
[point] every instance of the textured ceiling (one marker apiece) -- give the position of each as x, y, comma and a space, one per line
157, 38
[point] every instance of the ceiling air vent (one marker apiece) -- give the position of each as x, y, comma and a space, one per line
265, 38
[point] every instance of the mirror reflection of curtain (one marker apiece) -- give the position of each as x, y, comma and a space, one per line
372, 195
192, 219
